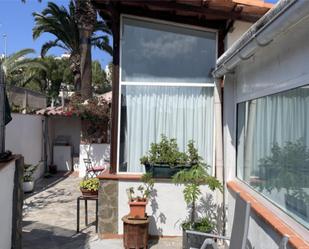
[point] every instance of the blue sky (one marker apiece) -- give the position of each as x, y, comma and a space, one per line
16, 22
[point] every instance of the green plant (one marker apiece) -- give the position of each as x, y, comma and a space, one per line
193, 179
202, 225
91, 184
28, 172
167, 152
144, 190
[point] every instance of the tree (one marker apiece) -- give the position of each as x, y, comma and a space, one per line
100, 80
49, 81
63, 24
15, 66
86, 16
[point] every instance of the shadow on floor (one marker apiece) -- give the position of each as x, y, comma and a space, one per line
41, 236
44, 183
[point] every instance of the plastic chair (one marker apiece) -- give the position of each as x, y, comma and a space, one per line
93, 171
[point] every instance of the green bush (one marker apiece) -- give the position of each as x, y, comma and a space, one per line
28, 172
203, 225
167, 152
91, 184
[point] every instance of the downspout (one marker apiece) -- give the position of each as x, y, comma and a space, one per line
219, 146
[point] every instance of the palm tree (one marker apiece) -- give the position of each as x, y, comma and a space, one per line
16, 64
63, 24
86, 16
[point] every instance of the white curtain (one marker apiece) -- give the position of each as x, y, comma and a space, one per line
183, 113
278, 118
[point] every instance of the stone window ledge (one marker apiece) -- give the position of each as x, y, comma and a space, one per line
116, 177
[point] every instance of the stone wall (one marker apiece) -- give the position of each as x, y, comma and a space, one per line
18, 196
108, 208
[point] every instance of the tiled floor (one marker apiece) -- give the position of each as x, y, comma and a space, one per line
50, 219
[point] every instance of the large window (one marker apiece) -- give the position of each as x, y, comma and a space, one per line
166, 88
273, 149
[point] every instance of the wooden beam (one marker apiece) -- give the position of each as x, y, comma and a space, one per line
166, 16
255, 3
115, 90
190, 10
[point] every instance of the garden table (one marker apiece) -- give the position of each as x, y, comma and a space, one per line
86, 199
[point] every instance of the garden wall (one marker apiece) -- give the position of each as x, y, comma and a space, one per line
65, 126
24, 136
6, 202
97, 153
167, 208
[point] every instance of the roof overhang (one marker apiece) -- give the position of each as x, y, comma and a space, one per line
277, 21
198, 12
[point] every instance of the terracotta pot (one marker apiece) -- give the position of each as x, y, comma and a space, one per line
87, 192
137, 209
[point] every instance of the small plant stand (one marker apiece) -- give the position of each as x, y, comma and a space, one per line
86, 199
135, 233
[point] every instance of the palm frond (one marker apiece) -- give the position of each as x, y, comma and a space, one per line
102, 45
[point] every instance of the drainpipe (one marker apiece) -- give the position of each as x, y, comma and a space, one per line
263, 32
219, 145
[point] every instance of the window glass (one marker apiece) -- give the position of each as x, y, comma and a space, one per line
273, 152
153, 52
183, 113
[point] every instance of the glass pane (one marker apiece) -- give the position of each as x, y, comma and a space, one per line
147, 112
272, 151
153, 52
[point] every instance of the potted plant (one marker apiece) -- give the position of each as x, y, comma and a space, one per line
193, 179
164, 159
138, 199
90, 187
28, 184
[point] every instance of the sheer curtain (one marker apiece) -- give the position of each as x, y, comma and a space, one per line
281, 119
275, 119
183, 113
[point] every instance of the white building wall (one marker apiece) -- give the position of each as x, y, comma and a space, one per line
282, 65
97, 153
6, 204
167, 209
24, 136
239, 28
66, 126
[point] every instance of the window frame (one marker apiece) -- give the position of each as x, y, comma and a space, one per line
267, 202
166, 84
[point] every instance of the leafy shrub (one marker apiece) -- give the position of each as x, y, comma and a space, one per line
91, 184
202, 225
29, 171
167, 152
144, 190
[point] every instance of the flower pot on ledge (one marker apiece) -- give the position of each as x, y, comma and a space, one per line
137, 209
164, 170
89, 193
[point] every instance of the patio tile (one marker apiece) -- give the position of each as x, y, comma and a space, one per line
50, 220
